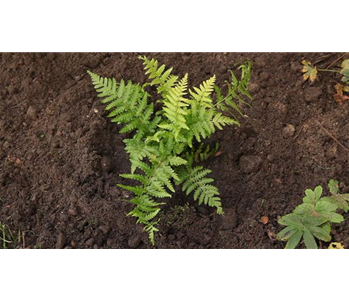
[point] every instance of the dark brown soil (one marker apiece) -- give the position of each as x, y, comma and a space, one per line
60, 157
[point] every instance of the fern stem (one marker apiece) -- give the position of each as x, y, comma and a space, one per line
225, 98
151, 175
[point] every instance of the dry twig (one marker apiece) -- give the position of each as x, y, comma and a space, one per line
331, 64
338, 142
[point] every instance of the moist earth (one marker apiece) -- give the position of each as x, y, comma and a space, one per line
60, 156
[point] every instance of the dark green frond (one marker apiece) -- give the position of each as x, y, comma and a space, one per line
204, 192
201, 154
127, 103
138, 150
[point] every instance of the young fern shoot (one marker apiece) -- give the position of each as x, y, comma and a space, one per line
164, 147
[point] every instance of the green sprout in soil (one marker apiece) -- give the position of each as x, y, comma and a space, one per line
6, 236
314, 217
168, 133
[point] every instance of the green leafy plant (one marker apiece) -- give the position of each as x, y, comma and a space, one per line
313, 218
167, 133
345, 71
310, 72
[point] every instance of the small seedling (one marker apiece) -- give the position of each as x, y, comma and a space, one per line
167, 131
6, 236
313, 218
336, 246
310, 72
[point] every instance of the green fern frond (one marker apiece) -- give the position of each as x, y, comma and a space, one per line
142, 179
155, 190
127, 103
146, 203
177, 161
202, 94
220, 120
159, 75
151, 215
243, 83
201, 124
193, 176
161, 178
142, 166
237, 89
105, 87
138, 150
205, 193
175, 108
201, 154
151, 229
166, 145
137, 189
227, 104
160, 135
169, 171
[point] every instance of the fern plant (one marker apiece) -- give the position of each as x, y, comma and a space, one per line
164, 149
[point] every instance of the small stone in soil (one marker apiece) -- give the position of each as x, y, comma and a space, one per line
207, 238
264, 76
105, 229
6, 56
134, 241
90, 242
260, 61
264, 220
203, 211
295, 66
105, 164
250, 163
31, 113
73, 211
288, 131
63, 217
332, 151
60, 241
51, 56
253, 88
228, 219
312, 94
